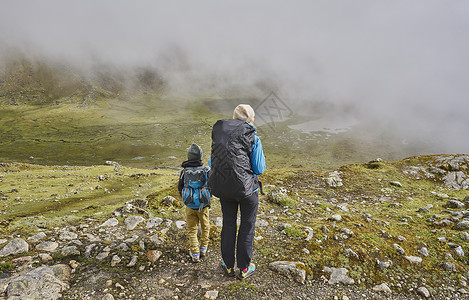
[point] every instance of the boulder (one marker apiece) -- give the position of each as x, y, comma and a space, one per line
462, 225
41, 283
338, 276
292, 269
132, 221
15, 246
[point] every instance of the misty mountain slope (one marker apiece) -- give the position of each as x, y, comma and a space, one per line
398, 223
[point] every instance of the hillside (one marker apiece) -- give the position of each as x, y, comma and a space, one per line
89, 205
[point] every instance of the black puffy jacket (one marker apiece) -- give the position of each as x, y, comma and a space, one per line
231, 175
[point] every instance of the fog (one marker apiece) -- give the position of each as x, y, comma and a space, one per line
401, 64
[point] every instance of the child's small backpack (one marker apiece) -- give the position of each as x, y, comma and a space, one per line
195, 193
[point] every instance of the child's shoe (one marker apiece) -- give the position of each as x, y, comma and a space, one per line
195, 256
229, 271
246, 272
203, 252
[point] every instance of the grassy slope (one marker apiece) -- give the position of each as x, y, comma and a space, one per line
156, 128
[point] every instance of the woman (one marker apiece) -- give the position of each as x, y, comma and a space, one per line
236, 160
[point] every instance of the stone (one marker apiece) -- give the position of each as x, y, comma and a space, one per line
399, 249
70, 251
67, 235
462, 225
41, 283
154, 255
133, 261
132, 221
115, 260
346, 231
15, 246
108, 297
465, 236
349, 252
449, 267
338, 276
37, 237
414, 259
277, 196
180, 224
459, 251
156, 239
333, 180
423, 251
102, 255
169, 201
261, 223
383, 264
336, 218
423, 291
154, 222
45, 257
110, 223
383, 287
310, 232
396, 183
47, 246
211, 295
423, 210
453, 203
292, 269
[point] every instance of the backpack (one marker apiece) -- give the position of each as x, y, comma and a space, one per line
195, 193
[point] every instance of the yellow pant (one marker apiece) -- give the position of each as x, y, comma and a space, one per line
193, 217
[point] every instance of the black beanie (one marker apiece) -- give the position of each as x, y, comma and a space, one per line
194, 152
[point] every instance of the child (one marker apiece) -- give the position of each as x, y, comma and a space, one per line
193, 189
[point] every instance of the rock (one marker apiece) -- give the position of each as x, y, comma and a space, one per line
211, 295
459, 251
396, 183
67, 235
456, 180
292, 269
414, 259
15, 246
180, 224
277, 196
156, 239
338, 276
399, 249
47, 246
310, 232
423, 251
102, 255
422, 291
110, 223
133, 261
383, 264
383, 287
154, 255
154, 222
346, 231
37, 237
349, 252
465, 236
449, 267
70, 251
132, 221
74, 264
108, 297
261, 223
169, 201
333, 179
423, 210
462, 225
453, 203
41, 283
115, 260
401, 238
45, 257
336, 218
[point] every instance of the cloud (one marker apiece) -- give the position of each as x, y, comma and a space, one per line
403, 62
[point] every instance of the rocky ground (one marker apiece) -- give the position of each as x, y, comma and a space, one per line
381, 230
